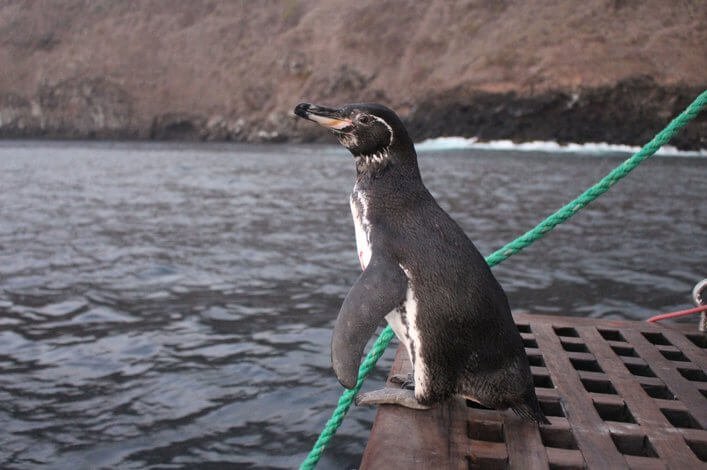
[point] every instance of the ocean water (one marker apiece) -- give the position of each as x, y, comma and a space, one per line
170, 306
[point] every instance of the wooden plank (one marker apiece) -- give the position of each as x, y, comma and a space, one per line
579, 356
486, 455
578, 321
525, 448
590, 432
566, 459
644, 463
433, 438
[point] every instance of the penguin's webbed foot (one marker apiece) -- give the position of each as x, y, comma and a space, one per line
406, 381
390, 396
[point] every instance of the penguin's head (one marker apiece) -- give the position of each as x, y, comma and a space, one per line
369, 131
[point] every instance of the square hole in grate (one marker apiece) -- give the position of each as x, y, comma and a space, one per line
695, 375
577, 463
614, 412
483, 462
681, 419
530, 343
552, 408
658, 391
523, 328
560, 438
542, 381
699, 340
656, 338
565, 331
536, 360
698, 447
575, 347
675, 356
642, 370
612, 335
489, 431
634, 444
599, 386
589, 365
626, 351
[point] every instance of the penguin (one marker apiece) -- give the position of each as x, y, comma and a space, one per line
423, 275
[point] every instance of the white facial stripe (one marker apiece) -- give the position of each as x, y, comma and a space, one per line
331, 123
390, 129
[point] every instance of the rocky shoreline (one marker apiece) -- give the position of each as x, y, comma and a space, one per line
630, 112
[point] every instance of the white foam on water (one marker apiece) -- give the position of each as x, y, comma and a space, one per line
455, 143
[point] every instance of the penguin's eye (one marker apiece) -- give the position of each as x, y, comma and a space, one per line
364, 119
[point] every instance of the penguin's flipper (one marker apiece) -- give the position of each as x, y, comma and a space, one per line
378, 290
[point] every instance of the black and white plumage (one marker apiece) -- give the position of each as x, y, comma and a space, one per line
423, 275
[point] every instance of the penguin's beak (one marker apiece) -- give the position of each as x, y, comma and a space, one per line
325, 117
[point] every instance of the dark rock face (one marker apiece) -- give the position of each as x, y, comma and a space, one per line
175, 126
631, 112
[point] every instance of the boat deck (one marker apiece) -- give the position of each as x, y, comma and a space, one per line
618, 394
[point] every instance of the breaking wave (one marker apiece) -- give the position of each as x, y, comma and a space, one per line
455, 143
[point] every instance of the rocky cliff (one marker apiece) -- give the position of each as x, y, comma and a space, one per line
612, 70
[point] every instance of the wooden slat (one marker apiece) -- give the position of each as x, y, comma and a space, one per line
578, 321
485, 455
644, 463
566, 459
525, 448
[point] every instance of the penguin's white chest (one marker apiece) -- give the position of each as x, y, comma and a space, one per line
359, 209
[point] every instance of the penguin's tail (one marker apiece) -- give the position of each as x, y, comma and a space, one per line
530, 409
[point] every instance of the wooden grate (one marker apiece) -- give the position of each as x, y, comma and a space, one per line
618, 394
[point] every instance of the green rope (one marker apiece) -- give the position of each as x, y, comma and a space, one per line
504, 253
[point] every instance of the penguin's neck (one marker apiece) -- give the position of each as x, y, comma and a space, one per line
390, 168
373, 164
